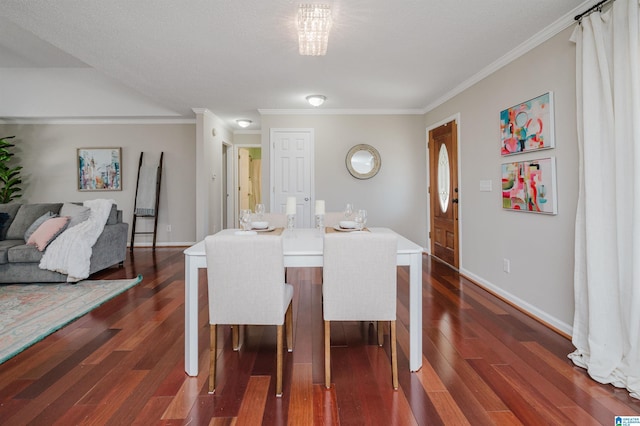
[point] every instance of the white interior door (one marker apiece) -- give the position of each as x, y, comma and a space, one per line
292, 172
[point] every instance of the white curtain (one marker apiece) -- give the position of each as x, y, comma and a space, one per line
606, 327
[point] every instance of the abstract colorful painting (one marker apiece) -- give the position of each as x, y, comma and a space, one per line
527, 126
99, 169
530, 186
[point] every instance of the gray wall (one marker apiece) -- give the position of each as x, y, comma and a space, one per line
539, 247
47, 153
395, 197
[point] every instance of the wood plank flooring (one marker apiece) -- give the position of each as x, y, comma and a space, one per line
484, 363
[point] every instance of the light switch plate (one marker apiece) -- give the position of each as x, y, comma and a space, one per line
485, 186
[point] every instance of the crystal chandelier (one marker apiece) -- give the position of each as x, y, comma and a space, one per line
314, 23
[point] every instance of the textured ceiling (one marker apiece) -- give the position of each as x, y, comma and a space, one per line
235, 57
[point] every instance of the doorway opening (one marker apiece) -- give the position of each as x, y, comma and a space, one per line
249, 177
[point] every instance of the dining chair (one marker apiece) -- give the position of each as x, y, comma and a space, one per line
359, 284
277, 220
332, 219
247, 287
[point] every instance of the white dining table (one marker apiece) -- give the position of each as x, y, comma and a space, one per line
303, 248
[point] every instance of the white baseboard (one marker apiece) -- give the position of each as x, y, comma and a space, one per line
164, 244
532, 310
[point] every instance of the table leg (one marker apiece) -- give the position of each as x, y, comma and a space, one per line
190, 317
415, 312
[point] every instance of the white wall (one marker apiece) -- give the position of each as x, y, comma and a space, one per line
396, 196
211, 134
539, 247
48, 154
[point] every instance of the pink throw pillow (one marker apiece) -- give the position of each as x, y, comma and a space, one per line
48, 231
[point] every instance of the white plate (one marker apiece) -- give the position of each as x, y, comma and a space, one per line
337, 228
269, 229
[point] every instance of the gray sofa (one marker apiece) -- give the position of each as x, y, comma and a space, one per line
19, 262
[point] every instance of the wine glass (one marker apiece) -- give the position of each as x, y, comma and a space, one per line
260, 211
348, 211
361, 219
245, 219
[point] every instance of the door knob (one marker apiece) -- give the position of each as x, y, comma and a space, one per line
306, 199
455, 200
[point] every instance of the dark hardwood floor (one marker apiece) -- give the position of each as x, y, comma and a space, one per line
484, 363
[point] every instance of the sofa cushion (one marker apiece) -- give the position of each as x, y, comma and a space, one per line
26, 215
77, 214
24, 253
10, 210
5, 245
36, 224
48, 231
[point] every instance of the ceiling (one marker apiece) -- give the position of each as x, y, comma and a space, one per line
237, 58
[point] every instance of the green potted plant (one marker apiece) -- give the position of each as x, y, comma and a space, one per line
9, 176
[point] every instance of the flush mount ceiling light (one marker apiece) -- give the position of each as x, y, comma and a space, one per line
316, 100
243, 122
314, 23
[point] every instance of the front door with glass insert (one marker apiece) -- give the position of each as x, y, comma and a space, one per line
443, 189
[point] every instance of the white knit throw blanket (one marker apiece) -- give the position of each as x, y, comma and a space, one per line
70, 252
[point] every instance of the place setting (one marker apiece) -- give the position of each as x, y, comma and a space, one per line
257, 226
355, 220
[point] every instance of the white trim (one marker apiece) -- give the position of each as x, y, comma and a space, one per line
165, 244
97, 120
526, 306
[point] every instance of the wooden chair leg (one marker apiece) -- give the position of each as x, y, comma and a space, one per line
235, 333
288, 318
279, 362
212, 357
394, 356
327, 354
380, 334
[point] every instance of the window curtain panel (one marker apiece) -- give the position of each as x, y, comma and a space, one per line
606, 327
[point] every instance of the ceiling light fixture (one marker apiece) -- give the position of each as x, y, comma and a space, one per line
316, 100
314, 23
243, 123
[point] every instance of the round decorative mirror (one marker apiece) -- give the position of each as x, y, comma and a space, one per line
363, 161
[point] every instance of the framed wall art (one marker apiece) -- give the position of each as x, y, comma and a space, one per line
99, 169
530, 186
528, 126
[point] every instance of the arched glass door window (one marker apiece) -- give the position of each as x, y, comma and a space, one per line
444, 180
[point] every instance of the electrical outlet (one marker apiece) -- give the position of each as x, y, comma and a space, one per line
506, 266
168, 228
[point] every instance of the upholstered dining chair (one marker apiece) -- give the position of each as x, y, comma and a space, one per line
359, 284
247, 287
277, 220
332, 219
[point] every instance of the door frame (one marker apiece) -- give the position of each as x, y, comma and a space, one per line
236, 178
455, 117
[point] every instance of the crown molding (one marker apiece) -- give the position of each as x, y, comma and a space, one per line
95, 120
564, 22
324, 111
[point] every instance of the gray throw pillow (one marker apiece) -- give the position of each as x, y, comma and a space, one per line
77, 214
36, 224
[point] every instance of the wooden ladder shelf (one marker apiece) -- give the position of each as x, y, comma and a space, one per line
153, 216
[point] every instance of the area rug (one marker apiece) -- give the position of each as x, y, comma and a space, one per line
30, 312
